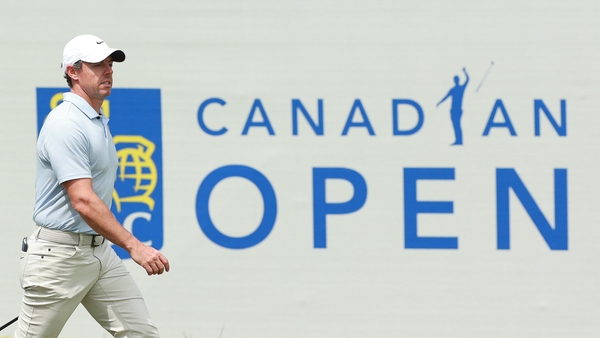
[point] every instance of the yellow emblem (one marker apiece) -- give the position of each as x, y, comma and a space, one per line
136, 164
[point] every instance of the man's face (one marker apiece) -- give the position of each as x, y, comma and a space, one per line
95, 79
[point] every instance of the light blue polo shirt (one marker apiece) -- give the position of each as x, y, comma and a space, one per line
74, 142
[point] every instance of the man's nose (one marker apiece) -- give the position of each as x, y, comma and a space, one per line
107, 68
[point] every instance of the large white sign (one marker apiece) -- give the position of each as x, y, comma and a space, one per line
334, 168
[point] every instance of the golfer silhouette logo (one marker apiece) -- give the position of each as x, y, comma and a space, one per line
457, 93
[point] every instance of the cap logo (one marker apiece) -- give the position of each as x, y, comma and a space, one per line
99, 42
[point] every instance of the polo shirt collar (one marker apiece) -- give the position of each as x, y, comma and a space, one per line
82, 105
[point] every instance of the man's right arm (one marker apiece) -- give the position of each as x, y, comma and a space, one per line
99, 217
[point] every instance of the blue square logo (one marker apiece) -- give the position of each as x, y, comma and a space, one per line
135, 123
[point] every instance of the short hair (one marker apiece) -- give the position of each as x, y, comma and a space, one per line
77, 65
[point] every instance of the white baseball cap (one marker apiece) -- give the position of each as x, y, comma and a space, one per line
89, 48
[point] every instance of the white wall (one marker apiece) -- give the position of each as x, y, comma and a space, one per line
365, 283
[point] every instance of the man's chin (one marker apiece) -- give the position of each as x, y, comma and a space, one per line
105, 92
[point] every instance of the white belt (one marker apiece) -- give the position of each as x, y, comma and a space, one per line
69, 238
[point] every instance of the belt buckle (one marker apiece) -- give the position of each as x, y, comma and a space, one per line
93, 245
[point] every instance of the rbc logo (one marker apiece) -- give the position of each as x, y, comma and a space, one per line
135, 123
136, 167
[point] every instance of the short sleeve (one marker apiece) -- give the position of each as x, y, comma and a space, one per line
66, 149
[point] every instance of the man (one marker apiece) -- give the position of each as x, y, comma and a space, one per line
457, 92
67, 261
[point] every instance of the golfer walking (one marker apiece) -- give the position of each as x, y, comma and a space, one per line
68, 259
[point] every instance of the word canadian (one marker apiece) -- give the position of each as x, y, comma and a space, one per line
359, 118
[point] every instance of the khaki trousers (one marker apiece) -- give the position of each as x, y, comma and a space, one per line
56, 278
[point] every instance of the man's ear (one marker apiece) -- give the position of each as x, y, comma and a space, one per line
72, 73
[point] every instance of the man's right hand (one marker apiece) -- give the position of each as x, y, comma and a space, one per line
152, 260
